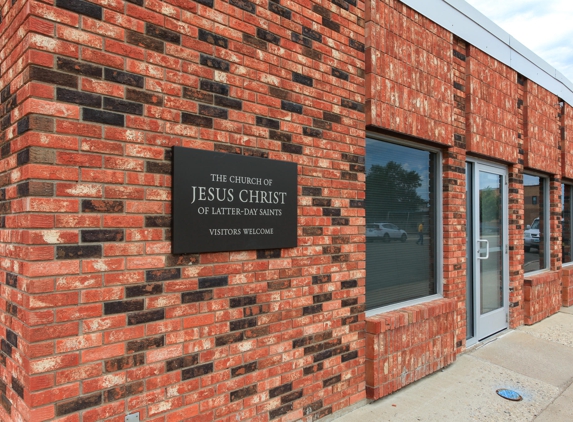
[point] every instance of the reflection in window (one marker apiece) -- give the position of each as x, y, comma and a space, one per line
400, 223
566, 223
535, 222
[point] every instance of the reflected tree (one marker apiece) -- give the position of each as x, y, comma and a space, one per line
490, 208
391, 188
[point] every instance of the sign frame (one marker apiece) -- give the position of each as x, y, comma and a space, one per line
229, 202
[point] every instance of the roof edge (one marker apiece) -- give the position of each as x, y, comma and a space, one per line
468, 23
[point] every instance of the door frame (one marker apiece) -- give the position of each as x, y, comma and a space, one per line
473, 222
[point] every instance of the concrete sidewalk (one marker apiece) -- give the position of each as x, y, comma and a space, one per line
536, 362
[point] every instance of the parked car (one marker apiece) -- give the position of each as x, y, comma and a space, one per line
531, 235
385, 232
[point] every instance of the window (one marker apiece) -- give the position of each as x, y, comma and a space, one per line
534, 200
401, 223
535, 234
566, 226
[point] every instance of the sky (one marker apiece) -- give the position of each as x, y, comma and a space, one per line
543, 26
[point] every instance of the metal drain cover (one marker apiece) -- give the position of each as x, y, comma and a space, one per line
509, 394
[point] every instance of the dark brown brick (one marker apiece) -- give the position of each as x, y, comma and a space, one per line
12, 337
80, 68
125, 362
12, 280
241, 324
145, 344
152, 98
122, 306
145, 316
78, 404
103, 235
280, 10
79, 252
6, 403
243, 392
349, 284
124, 78
290, 397
102, 206
52, 77
312, 231
321, 279
255, 42
145, 41
143, 290
6, 347
157, 221
121, 106
214, 63
34, 188
280, 136
196, 371
278, 284
162, 33
331, 381
323, 297
280, 390
212, 38
313, 369
81, 7
163, 274
181, 362
181, 260
283, 410
237, 371
291, 148
104, 117
199, 296
228, 339
196, 95
158, 167
123, 391
238, 302
247, 6
211, 282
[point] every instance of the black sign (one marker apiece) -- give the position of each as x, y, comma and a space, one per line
228, 202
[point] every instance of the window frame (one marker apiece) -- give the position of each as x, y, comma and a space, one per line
439, 225
569, 186
546, 221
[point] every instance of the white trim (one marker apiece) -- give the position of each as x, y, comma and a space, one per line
400, 305
439, 240
546, 220
480, 165
468, 23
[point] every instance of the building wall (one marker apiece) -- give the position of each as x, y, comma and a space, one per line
428, 87
99, 319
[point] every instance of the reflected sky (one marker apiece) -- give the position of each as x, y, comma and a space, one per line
411, 159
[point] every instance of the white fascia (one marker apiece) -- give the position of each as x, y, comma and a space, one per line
465, 21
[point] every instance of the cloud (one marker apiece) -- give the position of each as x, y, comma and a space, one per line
543, 26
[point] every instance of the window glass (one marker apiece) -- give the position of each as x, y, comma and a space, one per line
566, 223
535, 223
400, 223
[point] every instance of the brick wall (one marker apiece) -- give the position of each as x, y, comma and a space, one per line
98, 318
542, 296
406, 345
567, 287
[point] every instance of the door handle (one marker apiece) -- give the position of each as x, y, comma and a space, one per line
486, 249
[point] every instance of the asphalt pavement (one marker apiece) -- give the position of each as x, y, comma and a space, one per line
534, 361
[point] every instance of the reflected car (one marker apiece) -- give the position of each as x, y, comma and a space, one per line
385, 232
531, 235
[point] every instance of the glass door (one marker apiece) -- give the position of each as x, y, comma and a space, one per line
487, 250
